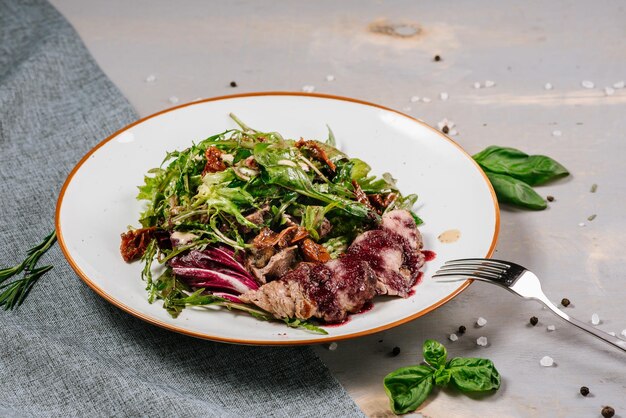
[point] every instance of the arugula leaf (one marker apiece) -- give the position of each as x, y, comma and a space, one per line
435, 353
473, 374
531, 169
408, 387
516, 192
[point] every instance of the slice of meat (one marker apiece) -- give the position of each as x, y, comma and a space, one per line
328, 291
277, 265
393, 252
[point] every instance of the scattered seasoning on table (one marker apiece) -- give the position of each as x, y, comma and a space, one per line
233, 84
550, 328
584, 390
623, 333
550, 198
477, 85
308, 88
426, 99
332, 346
462, 329
490, 83
151, 78
581, 224
595, 319
608, 412
481, 322
613, 333
453, 337
565, 302
587, 84
591, 217
437, 58
380, 341
173, 99
482, 341
594, 187
445, 129
548, 86
330, 77
546, 361
534, 320
395, 351
443, 96
415, 99
609, 91
619, 85
557, 133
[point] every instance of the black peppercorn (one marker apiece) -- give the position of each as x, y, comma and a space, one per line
395, 351
534, 320
565, 302
445, 129
584, 390
462, 329
608, 412
437, 58
550, 198
233, 84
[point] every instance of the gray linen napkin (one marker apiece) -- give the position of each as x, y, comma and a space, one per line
67, 352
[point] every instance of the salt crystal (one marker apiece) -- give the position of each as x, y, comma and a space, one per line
619, 85
453, 132
151, 78
406, 108
609, 91
477, 85
415, 99
330, 77
550, 327
613, 334
443, 95
548, 86
557, 133
581, 224
453, 337
623, 333
482, 341
332, 346
308, 88
546, 361
481, 322
595, 319
445, 122
173, 99
587, 84
490, 83
425, 99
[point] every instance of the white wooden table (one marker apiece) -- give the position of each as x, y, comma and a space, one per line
196, 48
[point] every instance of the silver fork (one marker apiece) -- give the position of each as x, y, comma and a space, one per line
518, 280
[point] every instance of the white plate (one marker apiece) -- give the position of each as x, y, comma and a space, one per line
98, 201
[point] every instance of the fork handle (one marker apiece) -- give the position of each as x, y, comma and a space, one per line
617, 342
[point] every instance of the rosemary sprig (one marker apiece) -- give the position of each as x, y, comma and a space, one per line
13, 293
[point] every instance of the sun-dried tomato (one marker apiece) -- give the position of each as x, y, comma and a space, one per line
135, 242
313, 252
317, 152
214, 161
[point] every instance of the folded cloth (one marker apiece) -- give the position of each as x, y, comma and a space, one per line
67, 352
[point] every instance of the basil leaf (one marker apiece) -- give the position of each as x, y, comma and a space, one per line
531, 169
442, 376
515, 192
408, 387
473, 374
434, 353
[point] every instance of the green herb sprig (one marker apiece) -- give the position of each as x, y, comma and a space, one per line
408, 387
13, 293
512, 174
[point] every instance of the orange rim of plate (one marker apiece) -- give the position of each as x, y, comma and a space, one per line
171, 327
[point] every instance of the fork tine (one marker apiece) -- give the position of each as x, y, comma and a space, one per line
480, 261
491, 269
468, 273
473, 275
